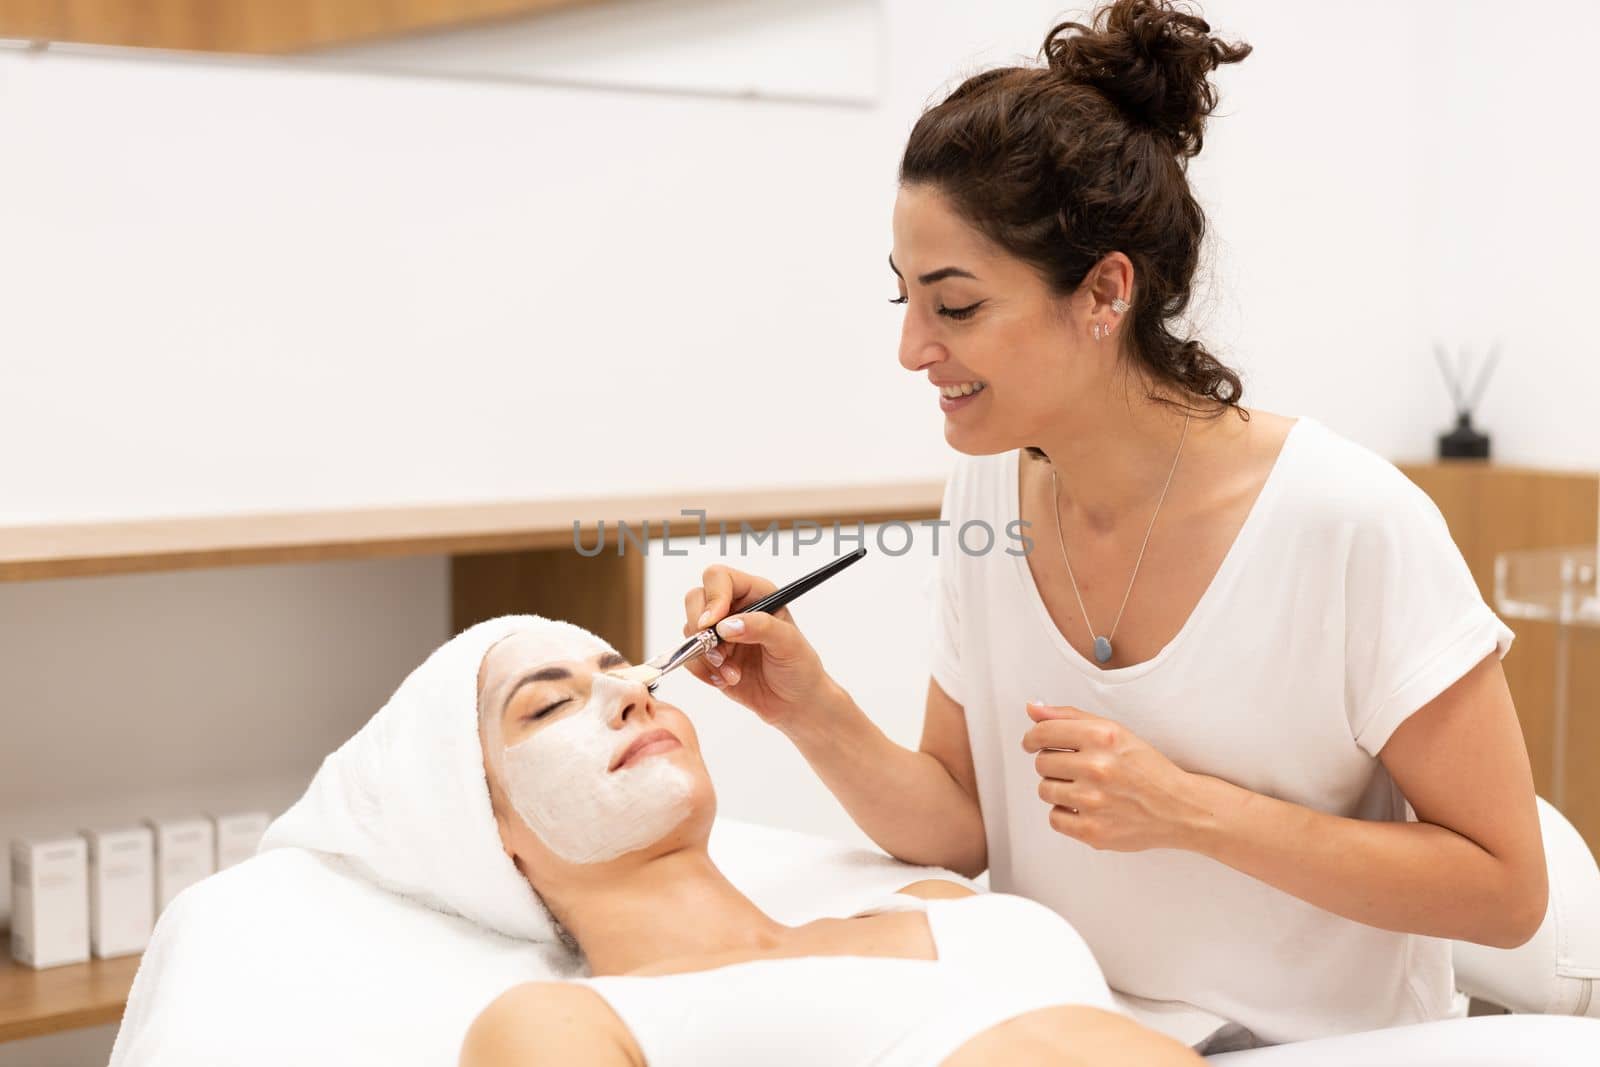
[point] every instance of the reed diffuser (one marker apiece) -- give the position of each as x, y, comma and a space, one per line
1465, 441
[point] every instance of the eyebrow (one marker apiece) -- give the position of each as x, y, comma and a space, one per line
604, 661
934, 275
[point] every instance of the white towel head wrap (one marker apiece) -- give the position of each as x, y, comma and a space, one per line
406, 800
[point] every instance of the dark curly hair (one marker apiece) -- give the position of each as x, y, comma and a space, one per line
1061, 164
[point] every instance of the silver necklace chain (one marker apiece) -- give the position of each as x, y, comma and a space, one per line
1102, 645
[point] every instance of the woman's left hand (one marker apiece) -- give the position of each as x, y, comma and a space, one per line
1105, 786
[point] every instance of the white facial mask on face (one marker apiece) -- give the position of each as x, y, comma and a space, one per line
559, 781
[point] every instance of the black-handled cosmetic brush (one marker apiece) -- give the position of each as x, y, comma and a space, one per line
650, 671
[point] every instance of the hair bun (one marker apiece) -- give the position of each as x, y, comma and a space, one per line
1149, 58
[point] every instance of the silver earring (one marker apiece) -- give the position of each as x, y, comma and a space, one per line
1118, 304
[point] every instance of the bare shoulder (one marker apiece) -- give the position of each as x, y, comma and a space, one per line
937, 889
1274, 423
1254, 443
549, 1022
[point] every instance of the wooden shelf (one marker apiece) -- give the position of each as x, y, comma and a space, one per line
506, 556
249, 25
29, 553
33, 1003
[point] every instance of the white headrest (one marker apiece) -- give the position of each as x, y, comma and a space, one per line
1556, 973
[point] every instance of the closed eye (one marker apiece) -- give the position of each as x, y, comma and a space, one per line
953, 313
548, 708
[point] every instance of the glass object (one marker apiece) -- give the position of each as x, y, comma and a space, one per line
1562, 586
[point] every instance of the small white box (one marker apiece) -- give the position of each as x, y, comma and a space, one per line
122, 889
186, 851
238, 834
49, 901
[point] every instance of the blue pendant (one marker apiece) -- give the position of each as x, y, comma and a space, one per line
1102, 649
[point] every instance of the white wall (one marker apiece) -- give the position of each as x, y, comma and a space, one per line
1307, 178
230, 285
1509, 156
770, 49
1398, 176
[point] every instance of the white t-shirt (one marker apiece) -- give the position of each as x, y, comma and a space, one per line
1342, 607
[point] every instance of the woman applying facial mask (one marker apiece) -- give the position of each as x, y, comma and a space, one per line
603, 804
1241, 693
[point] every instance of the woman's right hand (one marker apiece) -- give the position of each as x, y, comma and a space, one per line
769, 666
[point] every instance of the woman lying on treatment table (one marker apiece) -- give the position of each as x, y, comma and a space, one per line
604, 804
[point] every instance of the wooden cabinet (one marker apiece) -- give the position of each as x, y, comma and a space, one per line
1491, 509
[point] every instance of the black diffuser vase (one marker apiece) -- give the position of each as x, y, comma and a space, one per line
1465, 441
